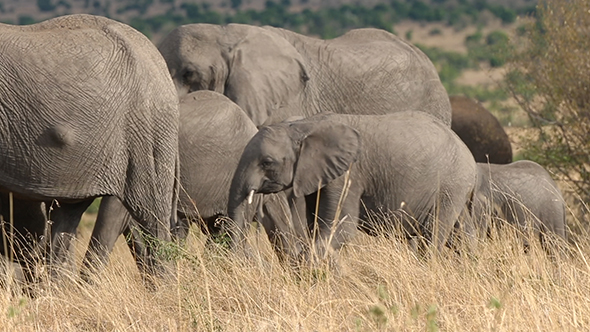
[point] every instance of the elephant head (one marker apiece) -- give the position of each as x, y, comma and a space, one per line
257, 69
301, 155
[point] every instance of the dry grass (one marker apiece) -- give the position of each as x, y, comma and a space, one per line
381, 285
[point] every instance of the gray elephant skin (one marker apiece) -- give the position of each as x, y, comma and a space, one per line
524, 193
405, 162
481, 131
212, 135
274, 74
88, 109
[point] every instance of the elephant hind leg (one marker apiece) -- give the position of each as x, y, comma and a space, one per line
65, 218
111, 221
444, 218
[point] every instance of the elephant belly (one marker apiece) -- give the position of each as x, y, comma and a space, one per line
56, 162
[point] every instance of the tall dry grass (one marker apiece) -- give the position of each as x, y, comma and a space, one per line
380, 286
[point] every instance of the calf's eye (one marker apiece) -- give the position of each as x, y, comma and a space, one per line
266, 163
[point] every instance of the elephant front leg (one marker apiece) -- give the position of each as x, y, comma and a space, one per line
334, 220
281, 228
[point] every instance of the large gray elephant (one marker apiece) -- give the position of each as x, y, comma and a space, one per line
88, 109
481, 131
274, 74
523, 193
406, 162
212, 136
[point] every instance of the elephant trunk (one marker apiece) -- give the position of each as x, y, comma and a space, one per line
240, 208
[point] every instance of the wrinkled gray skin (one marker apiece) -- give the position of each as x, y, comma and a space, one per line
212, 136
274, 74
524, 194
88, 109
405, 159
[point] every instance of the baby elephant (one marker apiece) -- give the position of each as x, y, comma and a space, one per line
408, 160
526, 196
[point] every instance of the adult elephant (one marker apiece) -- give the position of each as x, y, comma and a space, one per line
395, 165
88, 109
212, 136
481, 131
274, 74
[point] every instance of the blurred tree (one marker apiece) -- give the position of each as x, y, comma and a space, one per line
235, 4
550, 79
45, 5
25, 20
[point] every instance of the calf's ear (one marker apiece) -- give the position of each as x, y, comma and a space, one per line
326, 152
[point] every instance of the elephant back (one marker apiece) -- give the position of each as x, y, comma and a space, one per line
480, 131
370, 71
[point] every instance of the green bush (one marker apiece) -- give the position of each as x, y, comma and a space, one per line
549, 77
25, 20
494, 50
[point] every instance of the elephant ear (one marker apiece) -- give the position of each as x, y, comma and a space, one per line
267, 74
326, 153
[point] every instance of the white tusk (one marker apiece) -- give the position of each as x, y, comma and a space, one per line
250, 196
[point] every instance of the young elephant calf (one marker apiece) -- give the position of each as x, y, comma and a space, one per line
526, 196
407, 160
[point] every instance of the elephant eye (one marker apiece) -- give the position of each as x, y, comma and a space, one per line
304, 77
267, 163
187, 77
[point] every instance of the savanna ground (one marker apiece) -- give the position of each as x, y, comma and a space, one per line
380, 285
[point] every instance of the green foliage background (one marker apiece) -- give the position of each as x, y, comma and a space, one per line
328, 23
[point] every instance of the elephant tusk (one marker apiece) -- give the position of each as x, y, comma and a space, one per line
250, 196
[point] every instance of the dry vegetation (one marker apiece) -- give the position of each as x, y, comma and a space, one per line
380, 286
549, 78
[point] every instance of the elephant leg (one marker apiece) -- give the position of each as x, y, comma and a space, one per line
337, 220
446, 213
111, 221
137, 246
64, 220
147, 261
22, 232
277, 221
515, 215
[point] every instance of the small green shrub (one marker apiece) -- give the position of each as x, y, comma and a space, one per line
25, 20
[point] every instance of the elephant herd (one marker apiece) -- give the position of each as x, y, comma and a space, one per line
315, 139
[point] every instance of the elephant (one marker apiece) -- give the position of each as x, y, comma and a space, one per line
481, 131
88, 109
406, 163
274, 74
212, 135
523, 193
